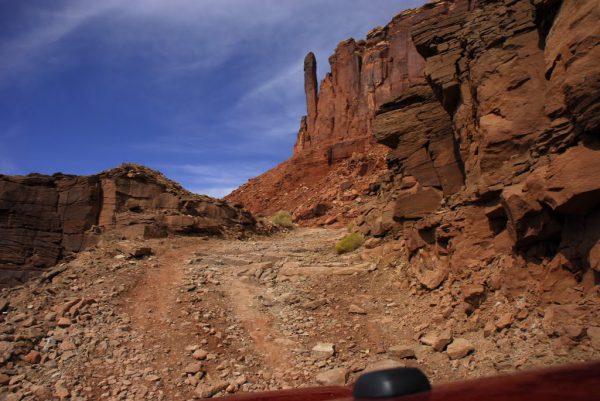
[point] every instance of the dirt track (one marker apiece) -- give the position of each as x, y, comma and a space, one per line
208, 316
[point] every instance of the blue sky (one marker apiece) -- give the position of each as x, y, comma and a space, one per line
210, 92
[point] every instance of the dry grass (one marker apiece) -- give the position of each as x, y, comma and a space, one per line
283, 219
349, 243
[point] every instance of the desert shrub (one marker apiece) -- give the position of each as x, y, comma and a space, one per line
349, 243
283, 219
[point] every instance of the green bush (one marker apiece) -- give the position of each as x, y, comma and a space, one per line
349, 243
283, 219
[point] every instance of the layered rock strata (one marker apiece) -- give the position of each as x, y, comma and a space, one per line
335, 158
43, 218
507, 176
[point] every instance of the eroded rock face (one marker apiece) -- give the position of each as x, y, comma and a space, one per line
511, 146
43, 218
506, 72
423, 154
335, 141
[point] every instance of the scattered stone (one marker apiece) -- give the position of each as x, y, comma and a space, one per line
459, 348
61, 391
134, 251
489, 328
471, 292
333, 377
574, 331
4, 304
372, 242
152, 378
200, 354
594, 335
63, 322
357, 310
432, 279
522, 314
323, 350
437, 341
401, 351
41, 392
6, 350
313, 305
193, 368
505, 320
205, 390
33, 357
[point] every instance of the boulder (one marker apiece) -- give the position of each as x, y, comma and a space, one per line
333, 377
437, 340
401, 352
323, 350
459, 348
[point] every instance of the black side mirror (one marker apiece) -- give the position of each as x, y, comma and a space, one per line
390, 383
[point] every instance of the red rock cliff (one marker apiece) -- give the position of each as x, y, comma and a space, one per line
335, 157
43, 218
498, 183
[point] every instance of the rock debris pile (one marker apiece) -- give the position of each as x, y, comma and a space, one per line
200, 317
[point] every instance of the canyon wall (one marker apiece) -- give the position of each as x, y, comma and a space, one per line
504, 185
490, 114
43, 218
335, 158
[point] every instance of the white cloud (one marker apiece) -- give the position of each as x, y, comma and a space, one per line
214, 179
215, 192
181, 41
183, 35
276, 85
21, 54
187, 35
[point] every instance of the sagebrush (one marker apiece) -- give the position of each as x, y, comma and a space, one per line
283, 218
349, 243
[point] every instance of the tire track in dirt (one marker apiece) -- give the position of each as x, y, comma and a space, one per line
153, 308
260, 326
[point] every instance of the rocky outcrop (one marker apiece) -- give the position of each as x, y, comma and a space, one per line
489, 110
501, 172
336, 159
43, 218
419, 131
311, 89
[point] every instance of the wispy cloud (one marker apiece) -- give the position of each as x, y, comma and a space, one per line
219, 81
21, 54
214, 179
275, 85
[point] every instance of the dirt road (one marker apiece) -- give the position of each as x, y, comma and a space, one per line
202, 317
